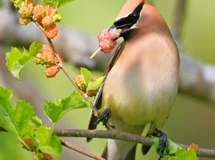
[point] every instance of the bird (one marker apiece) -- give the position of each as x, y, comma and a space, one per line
141, 80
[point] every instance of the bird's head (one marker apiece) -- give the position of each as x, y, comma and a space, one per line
128, 17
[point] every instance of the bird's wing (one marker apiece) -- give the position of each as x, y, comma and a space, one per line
98, 99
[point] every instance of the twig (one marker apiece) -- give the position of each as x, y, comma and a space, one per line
75, 148
86, 98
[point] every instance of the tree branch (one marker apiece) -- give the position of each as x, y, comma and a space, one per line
113, 134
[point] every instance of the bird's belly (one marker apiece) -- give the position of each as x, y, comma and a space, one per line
139, 110
138, 102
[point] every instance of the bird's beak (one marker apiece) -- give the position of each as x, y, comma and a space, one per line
127, 23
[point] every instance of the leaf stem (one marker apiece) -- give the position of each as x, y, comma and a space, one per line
86, 98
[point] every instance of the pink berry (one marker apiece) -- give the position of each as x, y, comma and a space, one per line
107, 39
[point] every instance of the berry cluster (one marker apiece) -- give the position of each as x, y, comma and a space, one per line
43, 16
107, 39
47, 57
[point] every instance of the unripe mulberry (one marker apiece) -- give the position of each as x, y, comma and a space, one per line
80, 82
24, 21
26, 11
38, 13
47, 22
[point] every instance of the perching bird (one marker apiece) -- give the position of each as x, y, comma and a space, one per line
141, 80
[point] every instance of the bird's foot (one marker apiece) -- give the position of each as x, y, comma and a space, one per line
104, 117
163, 143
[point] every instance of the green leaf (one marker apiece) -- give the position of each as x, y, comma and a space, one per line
173, 147
46, 142
54, 147
95, 85
56, 3
15, 120
58, 108
21, 117
5, 109
175, 151
87, 74
17, 59
21, 122
183, 154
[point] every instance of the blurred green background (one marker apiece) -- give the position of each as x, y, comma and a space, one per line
191, 120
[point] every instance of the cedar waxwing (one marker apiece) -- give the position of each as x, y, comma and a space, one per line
141, 81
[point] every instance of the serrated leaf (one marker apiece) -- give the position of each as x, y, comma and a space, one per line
46, 142
87, 74
58, 108
56, 3
16, 59
15, 120
95, 85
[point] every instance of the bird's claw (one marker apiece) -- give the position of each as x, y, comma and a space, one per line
163, 144
104, 117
